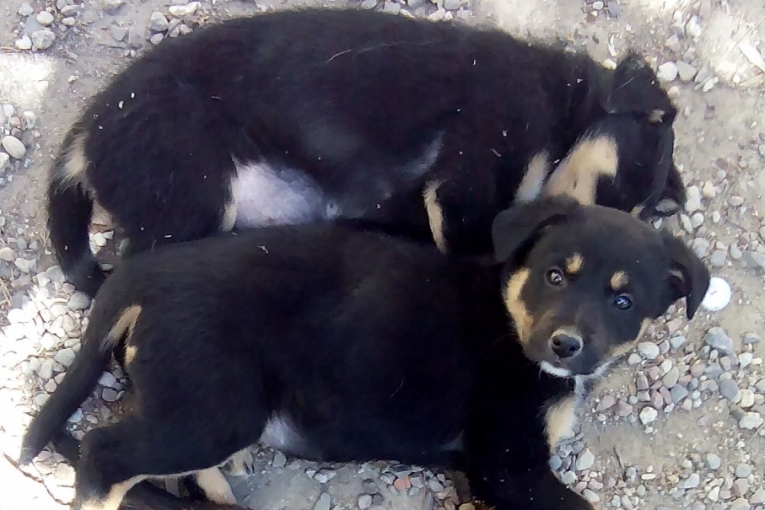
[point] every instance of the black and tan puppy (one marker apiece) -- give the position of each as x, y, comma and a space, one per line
300, 116
334, 344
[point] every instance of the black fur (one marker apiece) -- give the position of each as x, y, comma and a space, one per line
368, 346
348, 102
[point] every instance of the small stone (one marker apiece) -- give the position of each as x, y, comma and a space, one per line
24, 43
605, 403
718, 257
624, 409
753, 259
677, 341
158, 22
156, 39
740, 487
65, 357
135, 37
391, 7
69, 22
555, 462
678, 393
589, 495
648, 350
745, 359
13, 146
45, 18
78, 301
693, 199
369, 4
700, 246
324, 502
568, 478
24, 265
7, 254
729, 390
186, 10
112, 6
758, 497
751, 338
743, 470
107, 379
585, 461
670, 378
364, 501
746, 399
109, 394
713, 461
691, 482
692, 28
46, 370
452, 5
750, 421
718, 339
686, 71
667, 72
43, 39
740, 504
25, 10
118, 33
648, 415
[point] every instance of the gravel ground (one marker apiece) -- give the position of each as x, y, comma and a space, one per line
678, 425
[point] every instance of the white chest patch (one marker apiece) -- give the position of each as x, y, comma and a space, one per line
266, 195
281, 435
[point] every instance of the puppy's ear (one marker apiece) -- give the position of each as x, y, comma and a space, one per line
673, 196
688, 276
516, 225
635, 89
667, 189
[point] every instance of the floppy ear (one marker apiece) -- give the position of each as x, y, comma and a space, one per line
688, 276
673, 196
514, 226
667, 189
635, 89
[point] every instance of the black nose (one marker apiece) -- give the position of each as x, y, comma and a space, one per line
566, 346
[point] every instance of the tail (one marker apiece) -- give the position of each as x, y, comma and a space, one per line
103, 333
70, 207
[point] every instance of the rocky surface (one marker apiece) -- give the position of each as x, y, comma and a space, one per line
678, 425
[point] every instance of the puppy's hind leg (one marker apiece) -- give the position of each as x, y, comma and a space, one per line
116, 457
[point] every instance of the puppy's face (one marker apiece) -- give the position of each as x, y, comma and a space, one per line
583, 285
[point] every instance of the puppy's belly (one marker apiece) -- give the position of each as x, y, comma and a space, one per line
266, 195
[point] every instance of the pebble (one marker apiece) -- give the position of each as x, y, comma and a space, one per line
729, 390
693, 199
700, 246
25, 10
185, 10
648, 350
590, 496
713, 461
158, 22
65, 357
718, 257
753, 258
758, 497
667, 72
109, 394
280, 460
324, 502
364, 501
648, 415
686, 71
45, 18
746, 399
78, 301
13, 145
691, 482
7, 254
369, 4
605, 403
740, 487
135, 37
670, 378
677, 341
24, 43
43, 39
585, 461
743, 470
112, 6
118, 33
751, 420
718, 339
452, 5
678, 393
740, 504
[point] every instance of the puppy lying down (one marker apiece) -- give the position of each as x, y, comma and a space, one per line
338, 344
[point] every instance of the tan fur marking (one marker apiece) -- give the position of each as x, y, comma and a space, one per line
115, 496
229, 216
76, 163
561, 419
239, 462
619, 280
534, 178
515, 305
574, 263
577, 175
656, 116
624, 348
635, 212
435, 214
215, 486
124, 325
130, 353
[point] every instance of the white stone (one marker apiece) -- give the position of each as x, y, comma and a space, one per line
184, 10
43, 39
45, 18
24, 43
13, 147
585, 461
648, 415
667, 72
648, 350
718, 295
750, 421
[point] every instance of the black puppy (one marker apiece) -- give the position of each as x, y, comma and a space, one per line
292, 117
293, 336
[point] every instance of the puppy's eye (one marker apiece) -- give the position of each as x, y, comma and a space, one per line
623, 302
555, 277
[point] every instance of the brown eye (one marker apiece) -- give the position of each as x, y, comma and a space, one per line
555, 277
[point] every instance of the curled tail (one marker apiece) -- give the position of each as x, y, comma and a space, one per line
70, 207
103, 333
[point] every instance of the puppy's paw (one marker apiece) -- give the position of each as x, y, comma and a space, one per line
241, 463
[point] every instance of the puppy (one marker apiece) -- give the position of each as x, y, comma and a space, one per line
292, 117
335, 344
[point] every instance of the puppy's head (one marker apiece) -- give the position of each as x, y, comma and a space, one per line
582, 283
624, 159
